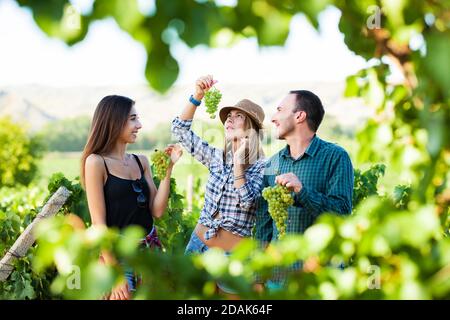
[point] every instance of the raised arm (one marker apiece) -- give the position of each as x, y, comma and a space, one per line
202, 85
181, 127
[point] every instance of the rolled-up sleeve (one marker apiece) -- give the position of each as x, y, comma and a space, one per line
198, 148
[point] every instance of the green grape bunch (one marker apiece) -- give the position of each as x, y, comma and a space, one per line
212, 100
161, 161
279, 199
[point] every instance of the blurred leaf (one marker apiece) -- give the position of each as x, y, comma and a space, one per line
161, 69
351, 88
318, 237
129, 240
273, 26
436, 61
126, 13
58, 18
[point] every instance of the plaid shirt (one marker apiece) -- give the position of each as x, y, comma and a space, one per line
237, 206
326, 173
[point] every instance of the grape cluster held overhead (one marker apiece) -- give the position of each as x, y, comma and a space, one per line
212, 100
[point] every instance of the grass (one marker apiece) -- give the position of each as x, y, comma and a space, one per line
65, 162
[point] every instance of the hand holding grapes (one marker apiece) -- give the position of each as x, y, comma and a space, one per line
162, 160
290, 181
202, 85
279, 200
174, 151
212, 96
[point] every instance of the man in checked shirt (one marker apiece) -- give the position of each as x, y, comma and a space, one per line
318, 173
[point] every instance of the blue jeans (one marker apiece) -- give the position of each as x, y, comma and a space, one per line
196, 246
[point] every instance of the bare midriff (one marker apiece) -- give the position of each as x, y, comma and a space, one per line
224, 239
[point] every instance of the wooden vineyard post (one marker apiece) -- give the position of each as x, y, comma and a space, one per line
26, 239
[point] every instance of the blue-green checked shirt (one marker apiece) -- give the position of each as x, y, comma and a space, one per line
326, 173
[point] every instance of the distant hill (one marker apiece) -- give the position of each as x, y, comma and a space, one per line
38, 105
20, 109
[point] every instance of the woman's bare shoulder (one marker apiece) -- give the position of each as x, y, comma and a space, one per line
144, 161
94, 161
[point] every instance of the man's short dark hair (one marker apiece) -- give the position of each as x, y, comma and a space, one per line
310, 103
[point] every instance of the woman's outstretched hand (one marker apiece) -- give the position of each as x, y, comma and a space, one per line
202, 85
175, 152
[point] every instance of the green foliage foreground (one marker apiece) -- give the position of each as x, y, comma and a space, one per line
398, 243
391, 248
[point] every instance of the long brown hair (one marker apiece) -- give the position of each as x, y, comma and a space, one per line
110, 117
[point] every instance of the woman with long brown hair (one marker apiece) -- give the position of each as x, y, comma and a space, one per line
119, 186
235, 172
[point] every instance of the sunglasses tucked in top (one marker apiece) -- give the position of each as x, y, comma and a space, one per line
127, 201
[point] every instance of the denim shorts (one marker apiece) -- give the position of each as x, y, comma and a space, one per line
196, 246
132, 278
150, 241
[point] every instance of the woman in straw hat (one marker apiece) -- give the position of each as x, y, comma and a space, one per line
235, 173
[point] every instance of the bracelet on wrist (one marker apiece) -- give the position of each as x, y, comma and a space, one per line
194, 101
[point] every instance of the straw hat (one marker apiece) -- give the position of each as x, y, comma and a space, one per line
254, 111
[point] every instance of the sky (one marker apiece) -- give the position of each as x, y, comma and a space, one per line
28, 56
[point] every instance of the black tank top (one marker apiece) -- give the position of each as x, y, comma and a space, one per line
122, 207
